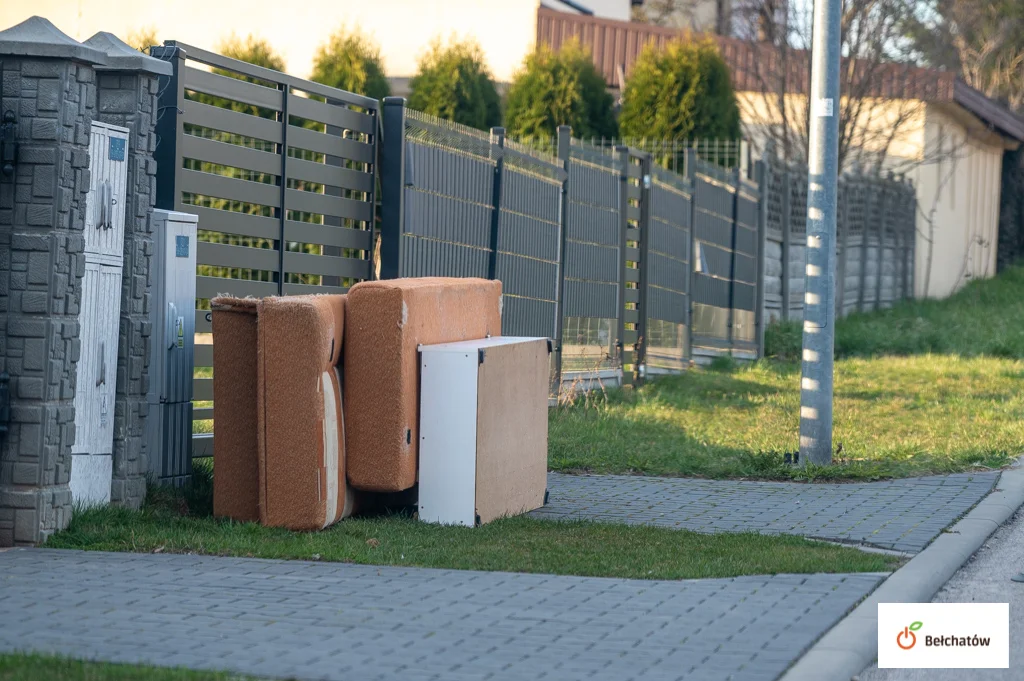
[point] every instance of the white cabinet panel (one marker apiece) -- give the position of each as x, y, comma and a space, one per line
483, 429
97, 365
105, 205
100, 315
88, 362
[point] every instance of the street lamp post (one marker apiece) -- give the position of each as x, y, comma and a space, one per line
822, 189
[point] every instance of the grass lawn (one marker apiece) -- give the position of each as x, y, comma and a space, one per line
925, 387
33, 667
895, 417
985, 318
174, 523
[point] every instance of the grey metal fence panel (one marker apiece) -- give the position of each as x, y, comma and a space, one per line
714, 240
447, 186
282, 174
798, 241
856, 222
713, 292
528, 255
592, 236
593, 260
474, 205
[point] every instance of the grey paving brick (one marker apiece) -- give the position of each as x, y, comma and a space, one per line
903, 515
330, 621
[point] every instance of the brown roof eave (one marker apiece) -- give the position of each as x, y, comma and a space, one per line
992, 113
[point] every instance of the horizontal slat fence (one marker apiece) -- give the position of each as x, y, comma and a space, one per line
282, 174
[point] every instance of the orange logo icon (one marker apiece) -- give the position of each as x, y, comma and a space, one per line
906, 639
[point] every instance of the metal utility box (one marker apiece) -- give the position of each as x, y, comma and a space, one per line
171, 358
483, 429
100, 313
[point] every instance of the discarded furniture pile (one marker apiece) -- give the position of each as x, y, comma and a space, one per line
332, 404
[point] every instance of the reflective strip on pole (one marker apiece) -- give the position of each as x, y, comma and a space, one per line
822, 189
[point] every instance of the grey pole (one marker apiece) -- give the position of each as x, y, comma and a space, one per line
822, 177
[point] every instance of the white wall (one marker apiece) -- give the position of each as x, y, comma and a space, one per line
507, 30
608, 9
958, 181
958, 193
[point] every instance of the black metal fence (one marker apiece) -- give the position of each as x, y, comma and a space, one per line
635, 260
593, 245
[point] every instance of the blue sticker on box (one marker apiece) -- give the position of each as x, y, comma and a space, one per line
116, 149
181, 246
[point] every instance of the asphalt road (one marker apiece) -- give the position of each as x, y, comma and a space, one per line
985, 579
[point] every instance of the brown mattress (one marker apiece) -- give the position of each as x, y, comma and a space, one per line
236, 479
302, 430
385, 321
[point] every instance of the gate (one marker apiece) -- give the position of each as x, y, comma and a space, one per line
281, 173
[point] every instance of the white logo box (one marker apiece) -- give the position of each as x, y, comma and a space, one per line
957, 633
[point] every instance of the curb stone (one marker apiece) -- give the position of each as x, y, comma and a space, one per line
850, 646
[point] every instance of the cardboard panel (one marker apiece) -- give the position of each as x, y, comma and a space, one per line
385, 322
299, 400
512, 429
236, 479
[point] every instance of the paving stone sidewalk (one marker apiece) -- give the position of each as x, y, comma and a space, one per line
904, 515
338, 621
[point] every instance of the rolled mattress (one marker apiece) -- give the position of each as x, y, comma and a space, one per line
385, 322
302, 477
236, 482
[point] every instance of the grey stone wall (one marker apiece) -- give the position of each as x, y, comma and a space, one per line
866, 205
129, 100
41, 268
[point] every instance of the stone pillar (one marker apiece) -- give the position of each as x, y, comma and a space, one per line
48, 83
127, 89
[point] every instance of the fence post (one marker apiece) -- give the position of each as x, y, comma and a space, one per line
282, 212
498, 156
762, 170
392, 185
844, 245
691, 177
622, 156
787, 237
169, 131
866, 198
564, 141
737, 184
898, 259
882, 222
643, 245
909, 239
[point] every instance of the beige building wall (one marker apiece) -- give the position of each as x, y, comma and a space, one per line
895, 128
507, 30
695, 15
958, 193
619, 10
955, 163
